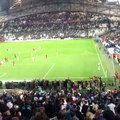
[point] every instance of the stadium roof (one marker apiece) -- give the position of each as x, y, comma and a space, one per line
110, 7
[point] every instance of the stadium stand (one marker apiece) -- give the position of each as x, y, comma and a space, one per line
52, 25
59, 100
71, 102
45, 23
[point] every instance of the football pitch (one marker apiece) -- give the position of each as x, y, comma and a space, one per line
53, 60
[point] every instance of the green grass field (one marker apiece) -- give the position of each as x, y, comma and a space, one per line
74, 59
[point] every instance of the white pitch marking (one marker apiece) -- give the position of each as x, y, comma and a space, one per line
100, 60
48, 71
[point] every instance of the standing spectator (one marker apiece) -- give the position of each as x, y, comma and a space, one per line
108, 115
117, 117
111, 106
74, 116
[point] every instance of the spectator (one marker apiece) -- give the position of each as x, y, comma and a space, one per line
108, 115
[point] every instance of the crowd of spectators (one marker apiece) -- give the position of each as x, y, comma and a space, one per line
43, 100
46, 84
113, 36
53, 25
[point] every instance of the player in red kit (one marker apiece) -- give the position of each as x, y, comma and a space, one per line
6, 59
116, 74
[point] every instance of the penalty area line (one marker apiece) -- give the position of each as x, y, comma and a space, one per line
48, 71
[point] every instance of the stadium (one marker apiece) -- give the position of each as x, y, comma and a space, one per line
59, 59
